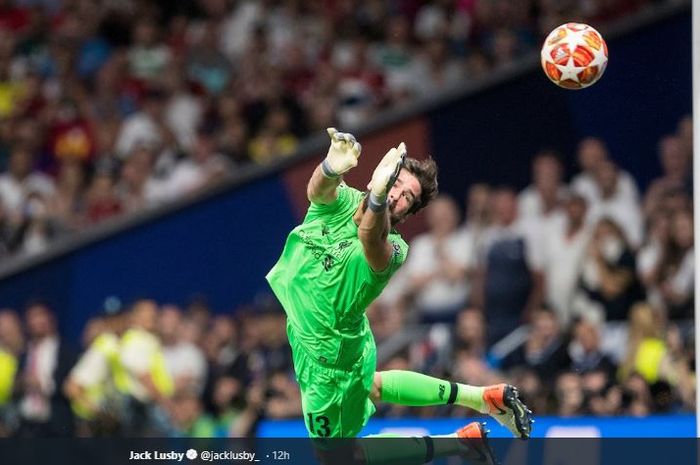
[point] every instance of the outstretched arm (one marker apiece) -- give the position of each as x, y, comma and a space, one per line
342, 157
373, 231
375, 224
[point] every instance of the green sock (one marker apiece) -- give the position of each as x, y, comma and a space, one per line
417, 390
407, 451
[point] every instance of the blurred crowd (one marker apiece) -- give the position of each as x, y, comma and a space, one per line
113, 106
146, 370
580, 293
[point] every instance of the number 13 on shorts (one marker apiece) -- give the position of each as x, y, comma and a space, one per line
319, 425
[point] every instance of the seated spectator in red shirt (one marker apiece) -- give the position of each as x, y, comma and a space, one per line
101, 201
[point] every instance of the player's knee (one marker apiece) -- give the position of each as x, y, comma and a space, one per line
376, 392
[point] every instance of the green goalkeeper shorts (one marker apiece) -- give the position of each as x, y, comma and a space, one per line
335, 401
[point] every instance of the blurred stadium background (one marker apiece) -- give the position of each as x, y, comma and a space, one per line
154, 154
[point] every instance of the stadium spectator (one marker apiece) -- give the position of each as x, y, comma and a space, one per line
545, 350
184, 360
602, 397
11, 335
677, 268
437, 267
7, 229
564, 247
541, 201
202, 167
20, 181
478, 213
503, 47
591, 153
652, 252
637, 399
145, 128
149, 385
36, 228
65, 206
470, 332
283, 399
44, 366
231, 140
436, 70
510, 281
224, 352
274, 139
616, 204
675, 164
207, 65
680, 372
684, 132
10, 87
586, 352
608, 286
646, 350
9, 350
387, 317
472, 369
70, 134
397, 61
361, 86
137, 188
568, 394
477, 219
188, 418
101, 200
94, 382
227, 400
184, 110
273, 348
148, 54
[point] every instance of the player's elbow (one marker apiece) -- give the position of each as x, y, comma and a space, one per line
311, 194
315, 195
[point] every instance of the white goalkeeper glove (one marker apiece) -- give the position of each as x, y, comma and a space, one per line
342, 154
385, 175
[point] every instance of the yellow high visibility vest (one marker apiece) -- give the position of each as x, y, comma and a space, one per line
106, 344
648, 360
159, 373
8, 370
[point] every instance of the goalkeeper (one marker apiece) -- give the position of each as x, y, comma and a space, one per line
333, 265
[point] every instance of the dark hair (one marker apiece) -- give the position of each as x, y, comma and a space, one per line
612, 224
37, 302
547, 152
426, 173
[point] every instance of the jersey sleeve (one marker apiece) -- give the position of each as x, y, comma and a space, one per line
345, 202
399, 253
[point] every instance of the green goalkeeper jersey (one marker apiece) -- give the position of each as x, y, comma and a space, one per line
324, 282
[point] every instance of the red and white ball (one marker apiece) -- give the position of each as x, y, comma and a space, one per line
574, 56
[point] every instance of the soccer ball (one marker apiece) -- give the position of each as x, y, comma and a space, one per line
574, 56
